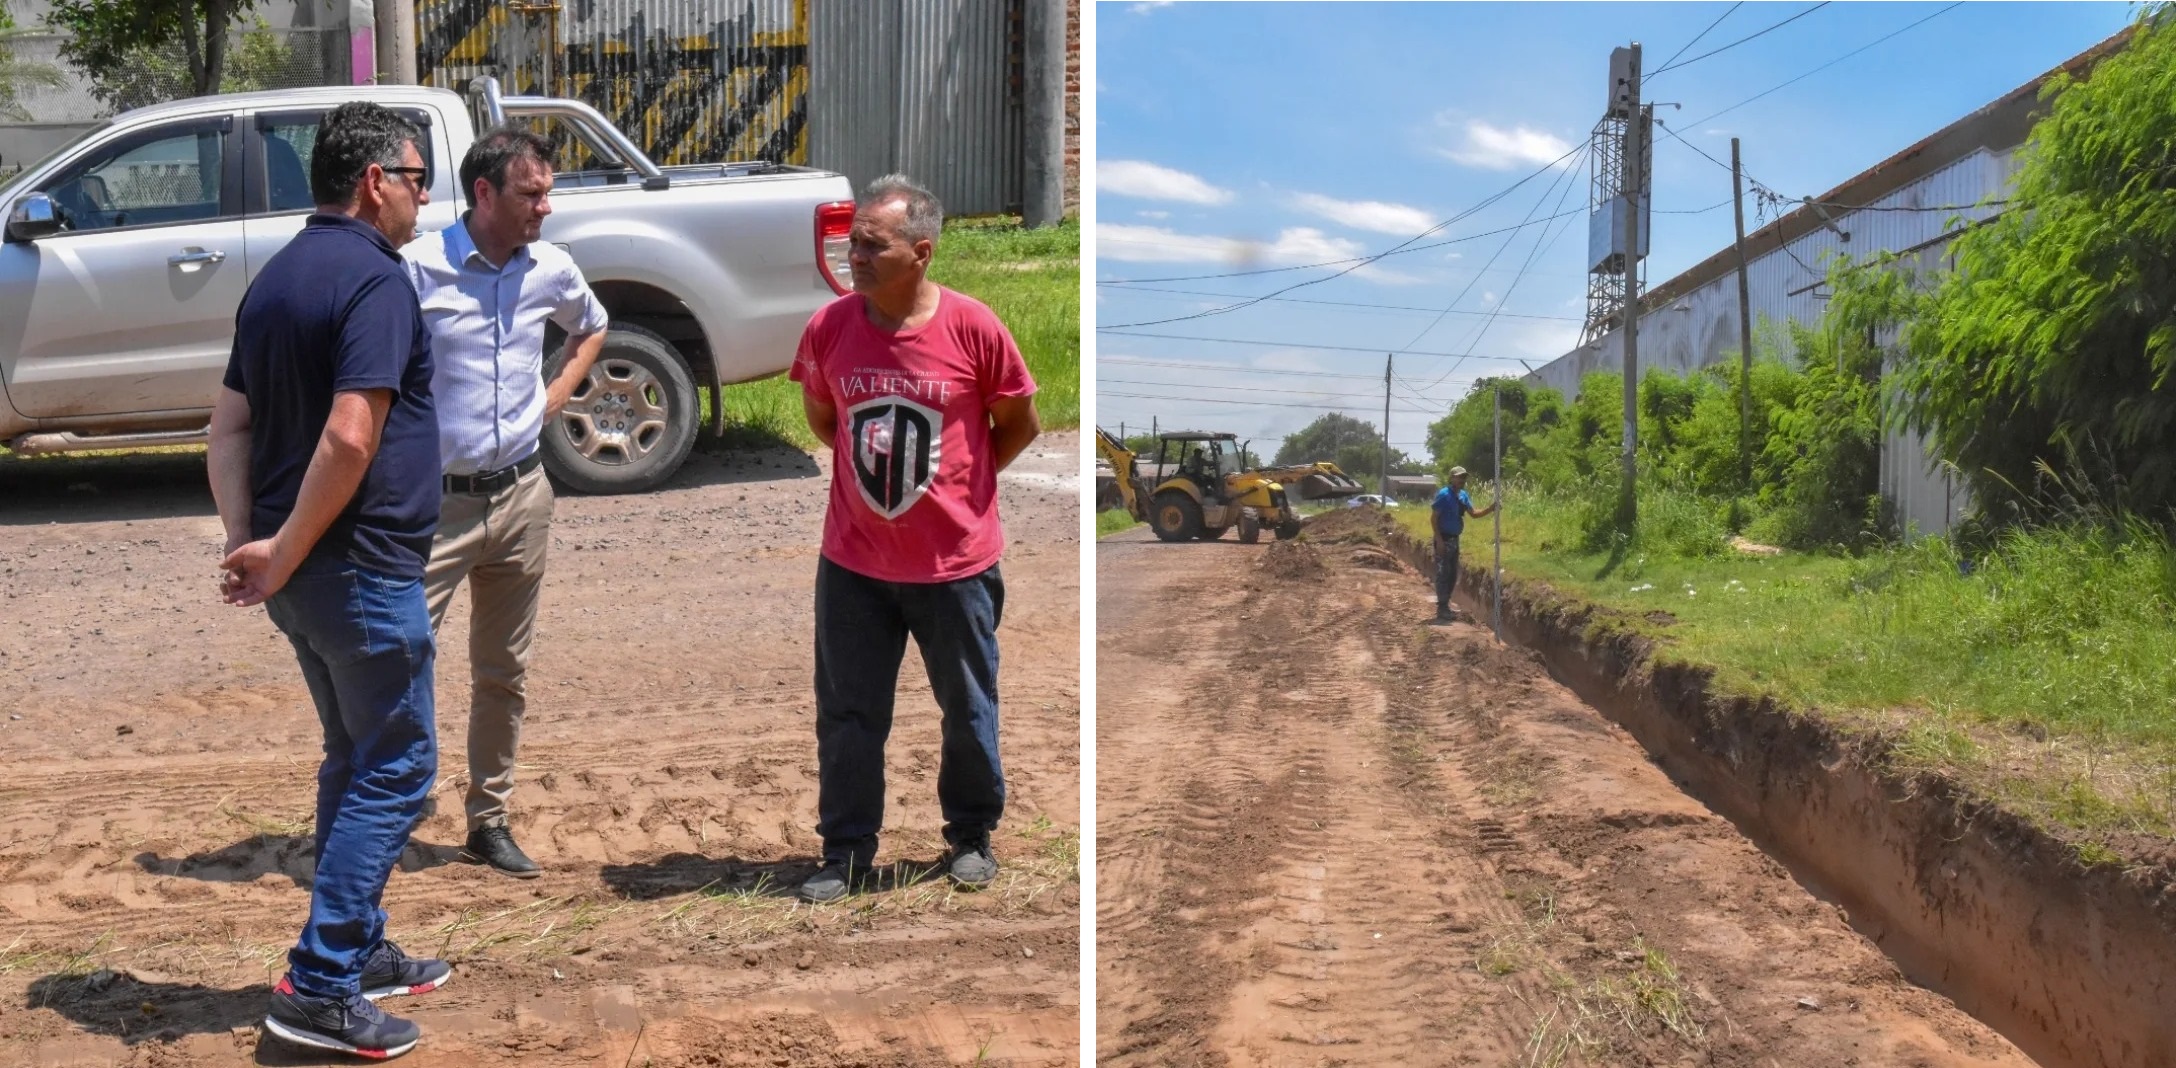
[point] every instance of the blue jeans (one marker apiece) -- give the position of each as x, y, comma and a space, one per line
364, 641
862, 626
1446, 571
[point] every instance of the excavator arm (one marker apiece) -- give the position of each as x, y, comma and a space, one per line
1122, 461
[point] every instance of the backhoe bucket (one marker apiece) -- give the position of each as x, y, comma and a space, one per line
1323, 485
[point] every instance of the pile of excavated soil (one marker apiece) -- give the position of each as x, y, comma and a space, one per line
1294, 560
1368, 525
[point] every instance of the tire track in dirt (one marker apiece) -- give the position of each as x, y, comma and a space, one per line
151, 880
1462, 864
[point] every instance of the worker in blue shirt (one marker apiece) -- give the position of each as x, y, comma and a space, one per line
1452, 506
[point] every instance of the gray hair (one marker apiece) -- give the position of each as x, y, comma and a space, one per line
925, 216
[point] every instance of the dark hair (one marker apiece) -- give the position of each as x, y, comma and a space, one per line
925, 216
496, 150
356, 135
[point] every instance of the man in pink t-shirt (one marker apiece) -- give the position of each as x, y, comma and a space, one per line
923, 398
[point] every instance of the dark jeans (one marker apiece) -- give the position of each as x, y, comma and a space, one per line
1446, 571
364, 641
862, 626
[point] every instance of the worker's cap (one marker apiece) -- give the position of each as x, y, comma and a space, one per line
1458, 472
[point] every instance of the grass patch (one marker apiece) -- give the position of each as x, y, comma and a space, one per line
2039, 671
1030, 278
1112, 520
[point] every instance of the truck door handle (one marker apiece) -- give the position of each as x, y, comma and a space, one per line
192, 256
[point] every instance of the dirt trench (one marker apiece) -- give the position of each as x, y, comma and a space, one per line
1331, 832
155, 814
2070, 962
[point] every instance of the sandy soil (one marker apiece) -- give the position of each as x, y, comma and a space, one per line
160, 753
1331, 832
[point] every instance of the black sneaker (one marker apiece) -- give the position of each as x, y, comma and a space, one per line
971, 866
1445, 615
348, 1025
390, 973
494, 845
835, 880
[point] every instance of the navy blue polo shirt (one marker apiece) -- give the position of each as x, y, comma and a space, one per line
330, 313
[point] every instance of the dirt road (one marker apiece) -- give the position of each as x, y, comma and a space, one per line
1332, 833
160, 754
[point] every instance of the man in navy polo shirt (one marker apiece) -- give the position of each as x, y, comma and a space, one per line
324, 464
1449, 511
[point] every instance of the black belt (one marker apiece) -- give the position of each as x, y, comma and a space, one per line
494, 481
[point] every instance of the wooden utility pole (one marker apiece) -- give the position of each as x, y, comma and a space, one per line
1496, 572
1634, 185
1745, 331
1383, 488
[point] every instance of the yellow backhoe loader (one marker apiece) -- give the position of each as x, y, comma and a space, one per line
1198, 488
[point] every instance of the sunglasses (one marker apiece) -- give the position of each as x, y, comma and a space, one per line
417, 176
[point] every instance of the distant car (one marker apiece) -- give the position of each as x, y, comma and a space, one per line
1370, 499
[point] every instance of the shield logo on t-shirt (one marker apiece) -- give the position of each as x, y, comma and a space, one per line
895, 451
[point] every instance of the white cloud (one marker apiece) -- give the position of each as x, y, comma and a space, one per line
1482, 144
1488, 297
1134, 178
1153, 214
1147, 6
1376, 215
1125, 242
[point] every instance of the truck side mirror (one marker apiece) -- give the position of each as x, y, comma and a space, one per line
34, 217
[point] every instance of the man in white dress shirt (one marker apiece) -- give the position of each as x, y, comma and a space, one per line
487, 286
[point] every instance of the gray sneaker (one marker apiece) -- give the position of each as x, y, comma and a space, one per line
837, 879
972, 867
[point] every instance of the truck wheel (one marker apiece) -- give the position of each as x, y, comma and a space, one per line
1176, 517
630, 424
1250, 529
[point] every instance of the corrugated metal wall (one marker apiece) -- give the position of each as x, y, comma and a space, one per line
928, 88
691, 81
864, 87
1700, 329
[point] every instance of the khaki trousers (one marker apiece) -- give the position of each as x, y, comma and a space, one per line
496, 542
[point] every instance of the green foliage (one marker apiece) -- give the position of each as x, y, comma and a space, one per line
125, 46
1353, 444
18, 75
1467, 436
1823, 460
2052, 346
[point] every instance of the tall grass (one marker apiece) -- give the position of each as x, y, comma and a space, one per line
1112, 520
2060, 640
1030, 278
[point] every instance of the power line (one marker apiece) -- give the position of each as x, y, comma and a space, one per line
1507, 191
1116, 332
1718, 51
1827, 65
1687, 211
1362, 260
1259, 404
1542, 242
1703, 33
1205, 366
1101, 382
1508, 239
1358, 304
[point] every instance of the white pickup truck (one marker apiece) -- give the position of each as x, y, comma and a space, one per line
126, 253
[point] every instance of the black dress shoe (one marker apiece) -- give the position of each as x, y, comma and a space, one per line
494, 845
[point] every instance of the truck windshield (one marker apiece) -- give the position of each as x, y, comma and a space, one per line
14, 182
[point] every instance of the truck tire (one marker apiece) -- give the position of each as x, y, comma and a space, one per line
1250, 529
631, 424
1175, 517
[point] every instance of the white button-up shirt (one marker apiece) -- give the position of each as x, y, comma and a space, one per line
487, 341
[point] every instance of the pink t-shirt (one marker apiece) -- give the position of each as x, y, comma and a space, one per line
913, 484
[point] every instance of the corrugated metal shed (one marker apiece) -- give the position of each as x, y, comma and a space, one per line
922, 87
1691, 321
929, 88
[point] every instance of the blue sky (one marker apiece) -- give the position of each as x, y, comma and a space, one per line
1244, 136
